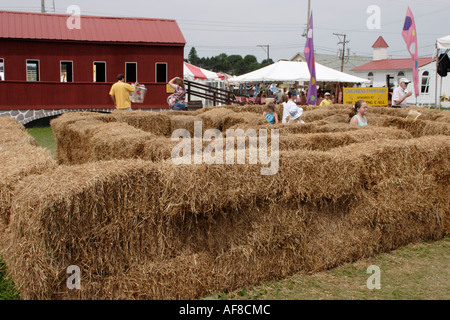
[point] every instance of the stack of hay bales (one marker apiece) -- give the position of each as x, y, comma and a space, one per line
417, 127
19, 157
145, 228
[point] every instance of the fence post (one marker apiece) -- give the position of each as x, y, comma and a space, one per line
189, 91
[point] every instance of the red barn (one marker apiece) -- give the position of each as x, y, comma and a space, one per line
48, 62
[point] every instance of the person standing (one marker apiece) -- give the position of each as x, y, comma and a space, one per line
400, 94
358, 114
287, 106
178, 85
284, 101
294, 111
120, 93
327, 100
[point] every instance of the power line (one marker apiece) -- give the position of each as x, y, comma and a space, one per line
343, 42
265, 46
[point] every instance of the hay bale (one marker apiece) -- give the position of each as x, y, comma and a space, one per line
96, 140
19, 157
185, 122
413, 114
247, 118
68, 139
327, 141
156, 123
145, 230
317, 114
214, 118
252, 108
12, 131
418, 128
128, 221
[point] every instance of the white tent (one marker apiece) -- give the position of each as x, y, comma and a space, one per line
289, 71
194, 73
444, 42
205, 77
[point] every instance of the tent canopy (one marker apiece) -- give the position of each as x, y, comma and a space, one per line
444, 42
192, 72
289, 71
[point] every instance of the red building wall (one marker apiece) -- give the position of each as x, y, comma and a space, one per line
50, 93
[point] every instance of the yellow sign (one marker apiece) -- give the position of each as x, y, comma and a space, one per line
169, 89
372, 96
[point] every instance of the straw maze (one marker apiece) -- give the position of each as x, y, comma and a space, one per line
140, 227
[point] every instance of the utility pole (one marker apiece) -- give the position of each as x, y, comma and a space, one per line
265, 46
305, 32
343, 47
43, 6
309, 14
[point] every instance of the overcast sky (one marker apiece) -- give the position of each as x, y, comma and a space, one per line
243, 26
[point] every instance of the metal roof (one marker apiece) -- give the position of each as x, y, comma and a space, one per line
393, 64
43, 26
380, 43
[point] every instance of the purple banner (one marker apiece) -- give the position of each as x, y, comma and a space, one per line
311, 98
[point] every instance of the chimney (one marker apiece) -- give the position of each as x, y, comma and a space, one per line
380, 49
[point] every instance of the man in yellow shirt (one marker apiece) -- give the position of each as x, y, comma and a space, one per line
120, 93
327, 100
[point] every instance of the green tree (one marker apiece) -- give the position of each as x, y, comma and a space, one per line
193, 57
236, 62
265, 63
233, 64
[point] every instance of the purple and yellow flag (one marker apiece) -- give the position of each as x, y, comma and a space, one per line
409, 34
311, 61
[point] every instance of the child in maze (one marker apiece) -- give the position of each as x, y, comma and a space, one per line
270, 114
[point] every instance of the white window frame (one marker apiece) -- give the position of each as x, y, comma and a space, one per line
136, 64
427, 85
38, 69
106, 71
60, 64
156, 71
3, 60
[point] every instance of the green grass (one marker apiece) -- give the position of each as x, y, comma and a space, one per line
44, 137
414, 272
7, 290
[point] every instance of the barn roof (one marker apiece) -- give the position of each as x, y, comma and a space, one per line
43, 26
393, 64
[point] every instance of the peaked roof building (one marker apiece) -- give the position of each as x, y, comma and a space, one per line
333, 61
40, 26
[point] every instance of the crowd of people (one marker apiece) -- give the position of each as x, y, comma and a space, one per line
292, 111
291, 101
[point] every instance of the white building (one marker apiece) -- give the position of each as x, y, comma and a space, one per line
378, 70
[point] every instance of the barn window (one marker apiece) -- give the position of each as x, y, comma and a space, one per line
99, 71
66, 71
425, 82
161, 72
2, 70
130, 71
32, 70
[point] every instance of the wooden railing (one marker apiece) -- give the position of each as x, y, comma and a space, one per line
213, 94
